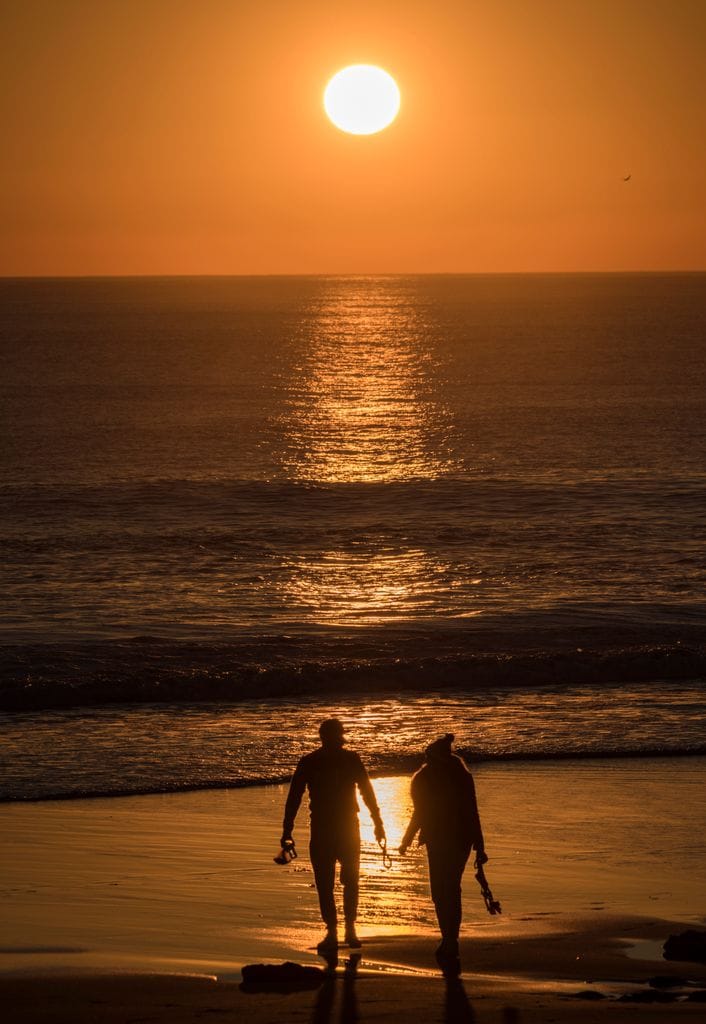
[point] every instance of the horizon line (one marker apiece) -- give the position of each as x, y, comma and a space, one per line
357, 273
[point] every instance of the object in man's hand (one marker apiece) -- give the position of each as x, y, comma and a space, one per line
287, 853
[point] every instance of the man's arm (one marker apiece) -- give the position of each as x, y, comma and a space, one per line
368, 794
294, 799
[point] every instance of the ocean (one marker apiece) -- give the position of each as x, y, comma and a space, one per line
231, 506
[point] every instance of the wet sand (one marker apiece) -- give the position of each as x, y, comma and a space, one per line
146, 908
581, 973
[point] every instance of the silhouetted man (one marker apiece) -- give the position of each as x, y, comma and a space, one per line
446, 816
331, 775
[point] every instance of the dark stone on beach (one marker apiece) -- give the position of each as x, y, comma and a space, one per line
689, 945
650, 995
588, 993
286, 977
667, 981
699, 996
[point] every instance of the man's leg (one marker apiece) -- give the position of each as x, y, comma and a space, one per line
323, 861
349, 855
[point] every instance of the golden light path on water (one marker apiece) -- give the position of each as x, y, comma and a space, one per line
362, 412
394, 897
340, 587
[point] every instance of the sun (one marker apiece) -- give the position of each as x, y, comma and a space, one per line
362, 99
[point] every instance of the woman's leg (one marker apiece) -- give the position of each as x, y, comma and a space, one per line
446, 866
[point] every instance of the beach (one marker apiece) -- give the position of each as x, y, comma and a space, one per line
494, 996
133, 903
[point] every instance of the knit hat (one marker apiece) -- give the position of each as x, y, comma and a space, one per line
440, 747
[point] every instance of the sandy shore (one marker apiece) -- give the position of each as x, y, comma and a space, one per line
146, 908
578, 974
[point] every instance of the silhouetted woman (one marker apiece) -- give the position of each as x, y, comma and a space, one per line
446, 816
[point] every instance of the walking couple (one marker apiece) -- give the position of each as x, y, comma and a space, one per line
445, 814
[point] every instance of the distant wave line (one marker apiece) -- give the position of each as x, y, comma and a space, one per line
54, 678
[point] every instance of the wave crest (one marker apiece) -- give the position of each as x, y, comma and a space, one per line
152, 670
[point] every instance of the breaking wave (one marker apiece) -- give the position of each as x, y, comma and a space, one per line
153, 670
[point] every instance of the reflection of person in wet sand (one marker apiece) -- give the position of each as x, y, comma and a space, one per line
446, 816
324, 1006
331, 775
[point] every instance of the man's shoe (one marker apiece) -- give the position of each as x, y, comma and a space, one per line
329, 943
352, 939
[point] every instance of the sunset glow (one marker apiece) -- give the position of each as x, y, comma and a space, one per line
508, 152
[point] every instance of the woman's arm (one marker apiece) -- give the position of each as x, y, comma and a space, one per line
411, 832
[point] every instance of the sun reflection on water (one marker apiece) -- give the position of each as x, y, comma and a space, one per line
396, 898
361, 410
365, 587
395, 803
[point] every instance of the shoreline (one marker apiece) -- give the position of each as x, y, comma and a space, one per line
405, 765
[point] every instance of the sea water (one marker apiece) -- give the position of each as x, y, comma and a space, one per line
322, 494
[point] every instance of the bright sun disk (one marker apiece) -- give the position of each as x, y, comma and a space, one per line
362, 99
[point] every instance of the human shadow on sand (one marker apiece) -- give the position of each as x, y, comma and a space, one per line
289, 977
323, 1012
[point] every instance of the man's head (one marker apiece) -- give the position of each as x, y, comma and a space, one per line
332, 732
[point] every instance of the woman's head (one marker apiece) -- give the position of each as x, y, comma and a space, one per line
439, 749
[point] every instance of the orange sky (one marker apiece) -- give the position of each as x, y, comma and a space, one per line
188, 136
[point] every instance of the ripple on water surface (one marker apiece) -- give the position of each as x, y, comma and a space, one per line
156, 748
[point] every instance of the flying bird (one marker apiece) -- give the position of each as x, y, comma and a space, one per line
628, 177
